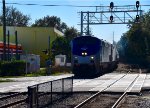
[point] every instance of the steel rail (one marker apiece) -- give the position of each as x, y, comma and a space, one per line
10, 96
117, 103
96, 94
14, 103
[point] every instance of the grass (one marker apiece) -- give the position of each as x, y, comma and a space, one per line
54, 72
5, 80
43, 72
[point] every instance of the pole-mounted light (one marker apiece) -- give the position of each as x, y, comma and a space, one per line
111, 18
137, 18
137, 4
111, 5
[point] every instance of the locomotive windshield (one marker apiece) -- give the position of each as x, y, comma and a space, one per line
88, 44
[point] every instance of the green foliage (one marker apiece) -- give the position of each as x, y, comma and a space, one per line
12, 68
14, 17
54, 71
42, 72
62, 44
50, 21
70, 33
134, 45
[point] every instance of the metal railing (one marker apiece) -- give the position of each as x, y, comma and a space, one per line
39, 95
44, 94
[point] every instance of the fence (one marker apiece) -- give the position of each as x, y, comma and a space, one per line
40, 95
44, 94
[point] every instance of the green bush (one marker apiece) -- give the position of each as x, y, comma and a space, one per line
12, 68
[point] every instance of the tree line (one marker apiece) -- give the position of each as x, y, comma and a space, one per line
59, 46
134, 45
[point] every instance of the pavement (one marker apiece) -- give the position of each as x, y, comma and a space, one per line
21, 84
82, 85
100, 83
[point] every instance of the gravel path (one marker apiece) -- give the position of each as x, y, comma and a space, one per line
137, 101
102, 101
71, 101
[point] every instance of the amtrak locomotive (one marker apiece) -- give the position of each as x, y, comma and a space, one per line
92, 56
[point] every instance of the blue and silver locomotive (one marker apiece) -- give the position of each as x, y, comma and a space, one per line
92, 56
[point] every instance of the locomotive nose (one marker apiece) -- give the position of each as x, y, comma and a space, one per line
84, 59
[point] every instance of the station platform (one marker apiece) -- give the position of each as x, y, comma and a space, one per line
21, 84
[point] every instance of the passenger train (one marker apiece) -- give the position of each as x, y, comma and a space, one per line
92, 56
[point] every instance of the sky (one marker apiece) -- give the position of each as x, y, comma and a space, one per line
70, 15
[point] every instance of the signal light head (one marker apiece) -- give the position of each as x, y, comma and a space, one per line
137, 17
137, 4
111, 5
111, 18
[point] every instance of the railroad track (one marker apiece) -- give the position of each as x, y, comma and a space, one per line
118, 99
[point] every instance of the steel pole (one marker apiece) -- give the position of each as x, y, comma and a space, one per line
4, 32
81, 23
8, 46
16, 45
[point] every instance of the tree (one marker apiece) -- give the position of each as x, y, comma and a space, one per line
122, 45
50, 21
137, 40
70, 33
14, 17
61, 46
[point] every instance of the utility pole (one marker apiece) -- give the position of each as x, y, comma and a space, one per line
48, 62
49, 47
8, 46
4, 32
113, 37
16, 38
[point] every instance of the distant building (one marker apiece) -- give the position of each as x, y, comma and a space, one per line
60, 60
33, 39
11, 50
33, 62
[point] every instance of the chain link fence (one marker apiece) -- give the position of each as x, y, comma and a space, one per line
40, 95
44, 94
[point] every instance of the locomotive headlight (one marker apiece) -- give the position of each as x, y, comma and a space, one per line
92, 57
82, 53
85, 53
75, 57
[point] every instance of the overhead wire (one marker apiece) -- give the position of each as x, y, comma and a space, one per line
28, 4
57, 5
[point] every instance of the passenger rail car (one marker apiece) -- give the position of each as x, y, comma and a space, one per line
92, 56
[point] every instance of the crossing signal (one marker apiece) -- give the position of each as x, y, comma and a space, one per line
111, 18
137, 4
111, 5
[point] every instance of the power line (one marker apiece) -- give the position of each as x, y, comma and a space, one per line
28, 4
57, 5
